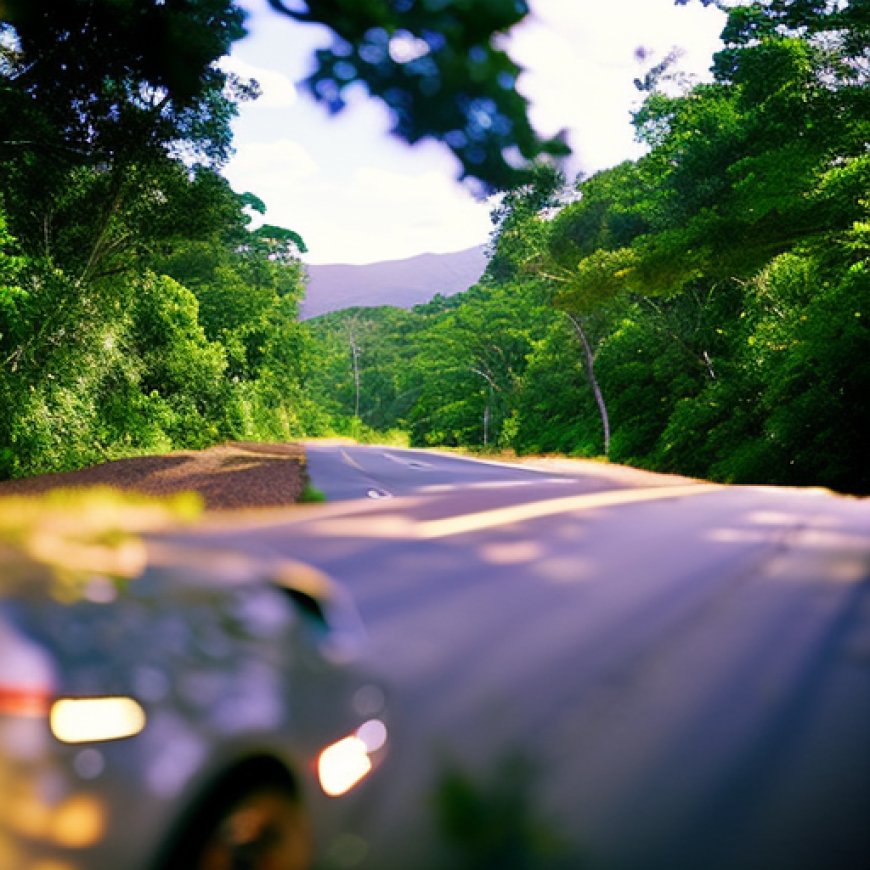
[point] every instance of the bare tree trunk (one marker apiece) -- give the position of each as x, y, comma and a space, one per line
589, 365
354, 356
708, 364
102, 244
487, 409
703, 357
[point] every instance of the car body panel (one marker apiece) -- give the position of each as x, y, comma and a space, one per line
230, 659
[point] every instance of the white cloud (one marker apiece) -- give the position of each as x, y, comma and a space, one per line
366, 198
412, 213
386, 215
278, 92
276, 166
581, 66
374, 215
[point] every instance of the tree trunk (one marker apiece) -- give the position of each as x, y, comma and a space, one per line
101, 244
589, 365
487, 410
354, 355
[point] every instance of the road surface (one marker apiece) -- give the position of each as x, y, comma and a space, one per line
352, 471
590, 674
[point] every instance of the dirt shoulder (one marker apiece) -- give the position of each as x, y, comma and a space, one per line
240, 474
228, 477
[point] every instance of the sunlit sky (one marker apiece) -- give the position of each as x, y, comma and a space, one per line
357, 194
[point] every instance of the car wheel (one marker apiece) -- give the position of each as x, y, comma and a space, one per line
264, 828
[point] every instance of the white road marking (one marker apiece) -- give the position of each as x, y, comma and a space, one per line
349, 460
410, 463
490, 484
535, 510
400, 526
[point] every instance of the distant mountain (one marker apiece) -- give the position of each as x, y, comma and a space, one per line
401, 283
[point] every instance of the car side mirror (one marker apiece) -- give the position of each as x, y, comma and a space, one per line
324, 605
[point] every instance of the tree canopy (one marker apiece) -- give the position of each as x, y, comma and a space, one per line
438, 69
702, 309
102, 77
705, 306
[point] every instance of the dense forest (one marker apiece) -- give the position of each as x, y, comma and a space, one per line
139, 310
703, 309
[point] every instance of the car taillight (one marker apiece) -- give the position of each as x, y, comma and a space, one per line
26, 675
20, 700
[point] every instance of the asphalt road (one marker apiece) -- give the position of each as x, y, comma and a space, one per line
602, 675
351, 471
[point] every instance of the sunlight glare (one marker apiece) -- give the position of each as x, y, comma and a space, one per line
511, 553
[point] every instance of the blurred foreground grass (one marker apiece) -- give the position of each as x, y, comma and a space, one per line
494, 822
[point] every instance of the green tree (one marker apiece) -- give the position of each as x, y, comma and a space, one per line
801, 368
585, 263
772, 154
103, 75
178, 364
471, 362
439, 69
139, 276
362, 363
555, 408
99, 100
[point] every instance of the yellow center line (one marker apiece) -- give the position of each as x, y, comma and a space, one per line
535, 510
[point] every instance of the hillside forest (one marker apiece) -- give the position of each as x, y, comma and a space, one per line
701, 310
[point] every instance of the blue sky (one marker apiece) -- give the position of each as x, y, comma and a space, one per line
357, 195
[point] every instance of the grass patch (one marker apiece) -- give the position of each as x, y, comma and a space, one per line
311, 495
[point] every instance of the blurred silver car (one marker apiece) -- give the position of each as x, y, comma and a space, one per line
210, 713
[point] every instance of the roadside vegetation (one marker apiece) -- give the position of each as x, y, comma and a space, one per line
702, 310
140, 311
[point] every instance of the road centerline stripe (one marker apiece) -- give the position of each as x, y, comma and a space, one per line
398, 525
349, 460
489, 519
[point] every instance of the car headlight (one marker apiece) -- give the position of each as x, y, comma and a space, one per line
89, 720
345, 763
